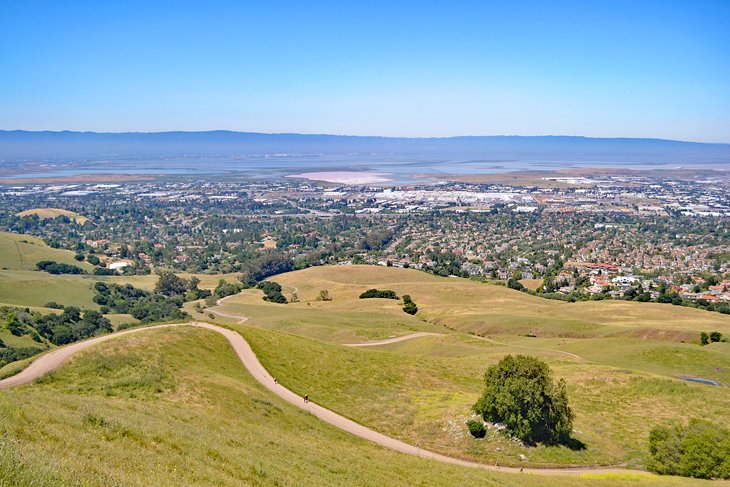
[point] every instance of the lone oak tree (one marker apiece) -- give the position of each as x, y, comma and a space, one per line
520, 394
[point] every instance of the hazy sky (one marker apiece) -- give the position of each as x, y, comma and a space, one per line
616, 68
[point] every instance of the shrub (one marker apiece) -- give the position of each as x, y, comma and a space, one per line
103, 271
704, 338
79, 257
53, 305
701, 450
409, 306
324, 295
376, 293
55, 268
272, 291
715, 336
521, 394
515, 284
476, 428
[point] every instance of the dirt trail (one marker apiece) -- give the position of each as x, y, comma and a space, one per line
219, 303
388, 341
52, 360
563, 352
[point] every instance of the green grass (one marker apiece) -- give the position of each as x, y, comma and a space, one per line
21, 252
33, 288
629, 358
175, 407
421, 391
623, 382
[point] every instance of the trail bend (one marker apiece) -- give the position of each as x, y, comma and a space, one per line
54, 359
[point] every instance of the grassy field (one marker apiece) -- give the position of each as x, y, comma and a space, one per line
21, 252
488, 309
175, 407
421, 391
35, 288
622, 361
54, 213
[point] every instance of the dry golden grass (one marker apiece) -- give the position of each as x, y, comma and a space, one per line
54, 213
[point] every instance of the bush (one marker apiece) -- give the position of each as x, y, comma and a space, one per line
476, 428
79, 257
715, 336
515, 284
704, 338
324, 295
103, 271
409, 306
701, 450
521, 394
52, 267
53, 305
272, 291
376, 293
224, 289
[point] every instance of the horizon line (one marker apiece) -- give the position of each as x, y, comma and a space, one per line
322, 134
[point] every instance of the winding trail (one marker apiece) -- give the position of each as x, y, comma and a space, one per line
563, 352
388, 341
52, 360
219, 303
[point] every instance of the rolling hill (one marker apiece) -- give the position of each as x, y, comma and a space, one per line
54, 213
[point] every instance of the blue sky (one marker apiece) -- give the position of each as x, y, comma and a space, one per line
620, 68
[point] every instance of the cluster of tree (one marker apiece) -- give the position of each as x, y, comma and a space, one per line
376, 239
171, 285
142, 305
266, 265
379, 293
225, 288
701, 450
59, 329
707, 338
324, 295
520, 393
53, 267
272, 292
513, 283
408, 305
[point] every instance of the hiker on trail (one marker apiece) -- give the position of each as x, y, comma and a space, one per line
306, 397
275, 381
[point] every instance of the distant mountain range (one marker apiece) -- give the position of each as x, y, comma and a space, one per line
18, 145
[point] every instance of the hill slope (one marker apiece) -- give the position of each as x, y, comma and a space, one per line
53, 213
175, 406
21, 252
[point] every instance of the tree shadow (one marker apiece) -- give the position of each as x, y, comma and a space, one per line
573, 443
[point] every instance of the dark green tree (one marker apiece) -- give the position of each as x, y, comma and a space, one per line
701, 450
521, 394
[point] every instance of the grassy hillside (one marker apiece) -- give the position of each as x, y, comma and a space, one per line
622, 363
54, 213
21, 252
421, 391
34, 288
175, 407
474, 307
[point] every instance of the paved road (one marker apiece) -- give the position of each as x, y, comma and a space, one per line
52, 360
